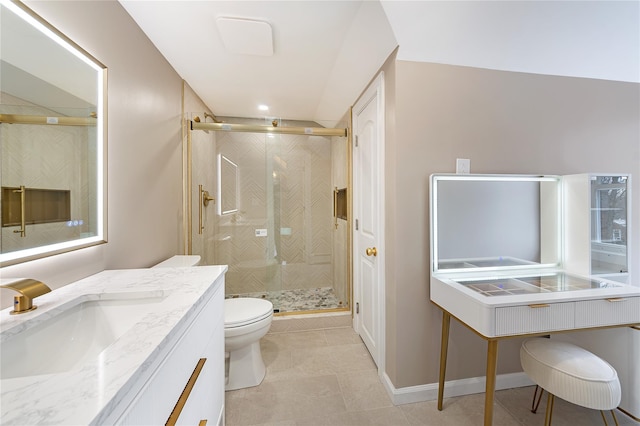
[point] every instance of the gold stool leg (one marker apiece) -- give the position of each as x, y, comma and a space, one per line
605, 419
535, 404
549, 412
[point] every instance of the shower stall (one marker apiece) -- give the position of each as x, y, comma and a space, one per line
273, 215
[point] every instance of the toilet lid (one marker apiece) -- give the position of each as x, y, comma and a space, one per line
245, 310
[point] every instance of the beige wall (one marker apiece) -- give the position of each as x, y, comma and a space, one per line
144, 145
504, 122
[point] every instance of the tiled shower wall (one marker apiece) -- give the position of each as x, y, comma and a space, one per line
45, 157
285, 188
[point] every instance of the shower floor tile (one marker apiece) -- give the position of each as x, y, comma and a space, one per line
298, 300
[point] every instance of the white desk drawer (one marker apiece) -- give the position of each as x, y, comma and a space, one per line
616, 310
534, 318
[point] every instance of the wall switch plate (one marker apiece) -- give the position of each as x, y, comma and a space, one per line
463, 166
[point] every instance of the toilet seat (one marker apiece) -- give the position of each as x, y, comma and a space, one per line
244, 311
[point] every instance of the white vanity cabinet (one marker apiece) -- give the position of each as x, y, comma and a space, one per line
155, 326
201, 341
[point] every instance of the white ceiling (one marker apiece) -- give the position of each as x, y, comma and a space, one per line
326, 52
592, 39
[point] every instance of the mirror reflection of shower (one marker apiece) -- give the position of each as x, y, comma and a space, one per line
275, 225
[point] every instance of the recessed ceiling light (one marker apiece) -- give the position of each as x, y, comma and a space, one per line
263, 107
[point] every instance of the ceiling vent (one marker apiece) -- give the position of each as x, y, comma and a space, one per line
246, 36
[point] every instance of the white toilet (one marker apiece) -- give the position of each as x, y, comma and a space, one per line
246, 321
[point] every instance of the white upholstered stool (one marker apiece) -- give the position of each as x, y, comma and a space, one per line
571, 373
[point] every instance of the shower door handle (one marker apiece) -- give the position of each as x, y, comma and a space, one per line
203, 200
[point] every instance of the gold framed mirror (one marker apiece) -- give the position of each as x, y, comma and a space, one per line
53, 107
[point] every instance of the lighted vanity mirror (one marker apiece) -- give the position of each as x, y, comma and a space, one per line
494, 222
52, 140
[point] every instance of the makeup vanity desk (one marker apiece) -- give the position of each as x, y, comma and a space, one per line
530, 304
515, 255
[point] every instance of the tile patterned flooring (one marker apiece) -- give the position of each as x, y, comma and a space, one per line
326, 377
298, 300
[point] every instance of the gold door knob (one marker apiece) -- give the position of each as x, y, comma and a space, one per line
371, 251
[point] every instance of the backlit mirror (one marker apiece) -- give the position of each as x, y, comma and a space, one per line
52, 139
494, 222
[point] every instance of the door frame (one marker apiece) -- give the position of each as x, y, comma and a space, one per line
373, 93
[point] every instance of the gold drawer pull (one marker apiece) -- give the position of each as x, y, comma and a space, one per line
616, 299
539, 305
173, 418
202, 423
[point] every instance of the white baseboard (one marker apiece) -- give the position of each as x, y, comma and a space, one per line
429, 392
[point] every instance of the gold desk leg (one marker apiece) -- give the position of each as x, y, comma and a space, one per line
492, 360
444, 346
549, 413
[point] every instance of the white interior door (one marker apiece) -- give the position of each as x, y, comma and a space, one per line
368, 200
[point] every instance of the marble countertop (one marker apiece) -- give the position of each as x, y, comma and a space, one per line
93, 393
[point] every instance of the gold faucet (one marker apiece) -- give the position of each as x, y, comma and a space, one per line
29, 289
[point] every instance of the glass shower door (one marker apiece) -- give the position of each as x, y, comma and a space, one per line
300, 206
245, 236
275, 227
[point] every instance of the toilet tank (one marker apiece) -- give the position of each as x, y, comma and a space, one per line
179, 261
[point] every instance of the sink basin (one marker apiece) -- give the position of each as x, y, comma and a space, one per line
74, 336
